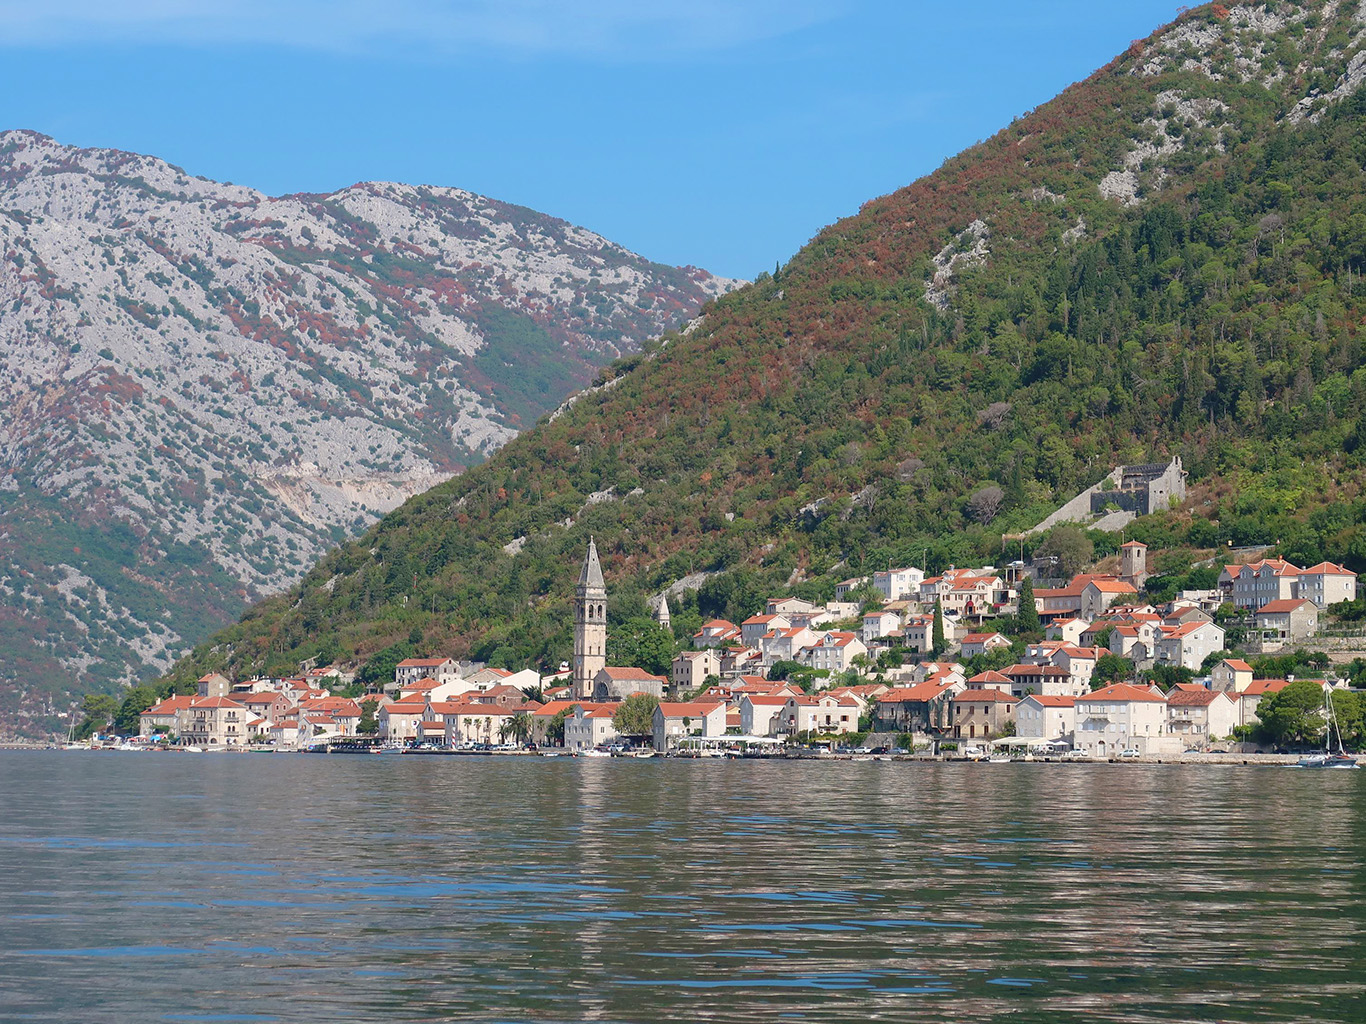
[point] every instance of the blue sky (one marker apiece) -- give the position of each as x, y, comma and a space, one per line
722, 134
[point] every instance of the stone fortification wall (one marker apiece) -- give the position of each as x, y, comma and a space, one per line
1135, 490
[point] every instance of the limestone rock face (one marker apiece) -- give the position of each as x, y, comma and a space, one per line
226, 383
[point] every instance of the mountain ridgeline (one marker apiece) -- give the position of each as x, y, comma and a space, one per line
205, 387
1164, 260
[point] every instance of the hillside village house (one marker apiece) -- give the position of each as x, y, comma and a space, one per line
1046, 718
716, 633
1046, 679
834, 651
917, 632
1274, 579
410, 670
982, 713
1067, 630
980, 643
675, 721
753, 629
691, 669
1232, 674
1189, 645
843, 587
786, 644
879, 624
1292, 620
895, 584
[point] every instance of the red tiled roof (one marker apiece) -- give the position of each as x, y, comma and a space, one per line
1052, 701
990, 676
680, 710
1327, 569
1121, 693
969, 696
627, 674
1280, 607
1197, 698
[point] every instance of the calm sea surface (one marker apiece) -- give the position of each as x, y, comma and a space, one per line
292, 888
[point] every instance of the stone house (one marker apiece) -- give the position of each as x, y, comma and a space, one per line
1232, 674
981, 713
218, 722
1187, 646
614, 683
1121, 717
1326, 584
691, 669
399, 721
979, 643
835, 651
923, 707
410, 670
1291, 621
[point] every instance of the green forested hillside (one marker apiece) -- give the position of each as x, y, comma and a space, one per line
1166, 259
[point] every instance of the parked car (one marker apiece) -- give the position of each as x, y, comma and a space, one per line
1129, 752
1076, 754
973, 752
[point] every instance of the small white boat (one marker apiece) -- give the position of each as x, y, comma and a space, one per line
644, 753
594, 753
998, 760
192, 749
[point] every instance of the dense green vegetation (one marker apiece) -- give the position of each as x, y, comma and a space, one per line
829, 419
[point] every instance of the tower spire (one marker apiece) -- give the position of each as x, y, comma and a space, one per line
591, 576
590, 624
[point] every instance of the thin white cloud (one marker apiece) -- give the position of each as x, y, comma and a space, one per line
610, 28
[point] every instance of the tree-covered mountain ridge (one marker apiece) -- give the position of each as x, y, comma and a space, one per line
206, 387
1163, 260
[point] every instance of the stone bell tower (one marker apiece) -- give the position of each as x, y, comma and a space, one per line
590, 624
1133, 563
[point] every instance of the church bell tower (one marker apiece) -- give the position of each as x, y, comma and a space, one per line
590, 624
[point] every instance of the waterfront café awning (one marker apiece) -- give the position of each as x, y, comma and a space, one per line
1019, 741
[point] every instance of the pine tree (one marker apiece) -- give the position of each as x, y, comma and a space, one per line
1029, 611
939, 645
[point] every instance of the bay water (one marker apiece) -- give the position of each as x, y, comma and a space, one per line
174, 887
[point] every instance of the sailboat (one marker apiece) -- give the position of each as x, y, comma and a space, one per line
1329, 759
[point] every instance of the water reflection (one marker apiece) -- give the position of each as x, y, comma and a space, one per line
326, 889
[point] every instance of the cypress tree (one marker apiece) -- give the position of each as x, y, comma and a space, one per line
938, 644
1029, 611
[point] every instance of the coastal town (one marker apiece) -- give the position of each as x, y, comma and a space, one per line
897, 662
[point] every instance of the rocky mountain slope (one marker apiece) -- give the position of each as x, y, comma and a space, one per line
1164, 260
205, 387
